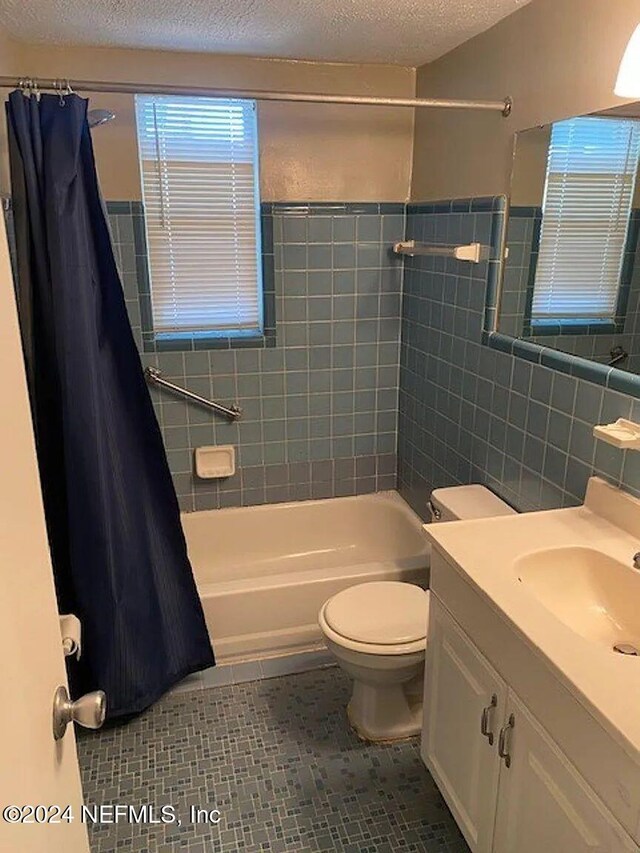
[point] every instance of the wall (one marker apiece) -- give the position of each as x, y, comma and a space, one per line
320, 408
556, 58
468, 413
8, 52
530, 166
320, 405
9, 60
115, 145
309, 152
523, 240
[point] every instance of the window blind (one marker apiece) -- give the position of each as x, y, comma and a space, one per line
199, 168
591, 175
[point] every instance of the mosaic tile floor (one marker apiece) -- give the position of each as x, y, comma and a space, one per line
279, 761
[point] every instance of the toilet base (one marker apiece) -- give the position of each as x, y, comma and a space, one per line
385, 713
388, 680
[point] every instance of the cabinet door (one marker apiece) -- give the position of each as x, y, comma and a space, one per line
459, 685
543, 803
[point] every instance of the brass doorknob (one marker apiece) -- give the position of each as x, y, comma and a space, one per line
88, 711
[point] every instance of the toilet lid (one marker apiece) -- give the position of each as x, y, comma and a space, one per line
381, 612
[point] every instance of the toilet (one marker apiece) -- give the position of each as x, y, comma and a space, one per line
378, 632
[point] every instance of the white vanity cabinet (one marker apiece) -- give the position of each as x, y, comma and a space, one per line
543, 803
463, 694
506, 782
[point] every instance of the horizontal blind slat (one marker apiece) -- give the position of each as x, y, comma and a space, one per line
198, 161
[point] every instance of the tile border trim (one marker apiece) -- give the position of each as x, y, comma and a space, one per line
332, 208
152, 343
257, 669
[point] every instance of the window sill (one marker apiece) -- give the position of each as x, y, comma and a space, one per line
196, 343
556, 328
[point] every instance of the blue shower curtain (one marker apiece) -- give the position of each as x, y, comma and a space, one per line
119, 554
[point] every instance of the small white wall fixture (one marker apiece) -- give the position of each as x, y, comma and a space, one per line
623, 434
215, 461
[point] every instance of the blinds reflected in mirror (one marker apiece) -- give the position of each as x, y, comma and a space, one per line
590, 179
199, 169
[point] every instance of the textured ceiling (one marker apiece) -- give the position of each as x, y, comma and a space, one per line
407, 32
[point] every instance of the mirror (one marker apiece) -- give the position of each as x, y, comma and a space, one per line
572, 275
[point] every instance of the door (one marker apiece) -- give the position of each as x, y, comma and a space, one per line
34, 769
462, 694
543, 803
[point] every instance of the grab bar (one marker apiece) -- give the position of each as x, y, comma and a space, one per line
153, 375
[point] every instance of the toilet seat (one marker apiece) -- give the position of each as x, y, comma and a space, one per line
380, 617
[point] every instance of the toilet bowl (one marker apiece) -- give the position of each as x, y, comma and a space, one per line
378, 634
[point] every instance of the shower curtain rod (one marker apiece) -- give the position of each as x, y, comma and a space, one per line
504, 106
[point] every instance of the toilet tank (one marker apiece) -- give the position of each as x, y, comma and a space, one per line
458, 503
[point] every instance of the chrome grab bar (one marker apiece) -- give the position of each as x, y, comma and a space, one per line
153, 375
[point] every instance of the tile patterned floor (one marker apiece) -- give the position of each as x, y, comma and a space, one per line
279, 761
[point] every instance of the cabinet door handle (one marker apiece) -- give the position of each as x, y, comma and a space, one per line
484, 719
503, 750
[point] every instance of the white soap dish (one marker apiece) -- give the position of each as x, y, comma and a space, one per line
215, 461
623, 434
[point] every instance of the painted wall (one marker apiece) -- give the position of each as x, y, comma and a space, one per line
308, 152
116, 148
531, 152
556, 58
9, 61
8, 53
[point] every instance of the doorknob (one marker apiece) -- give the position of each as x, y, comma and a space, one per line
88, 711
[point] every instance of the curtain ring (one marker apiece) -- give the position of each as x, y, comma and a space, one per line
68, 89
57, 85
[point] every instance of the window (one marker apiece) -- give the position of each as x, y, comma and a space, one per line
199, 168
590, 181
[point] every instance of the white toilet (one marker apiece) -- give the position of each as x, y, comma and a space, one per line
378, 632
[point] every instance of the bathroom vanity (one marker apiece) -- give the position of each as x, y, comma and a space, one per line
531, 718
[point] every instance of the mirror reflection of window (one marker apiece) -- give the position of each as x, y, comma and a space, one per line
590, 178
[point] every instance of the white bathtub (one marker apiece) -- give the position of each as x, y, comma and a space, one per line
263, 572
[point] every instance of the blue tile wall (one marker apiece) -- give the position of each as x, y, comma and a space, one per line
363, 361
470, 413
320, 407
127, 237
523, 230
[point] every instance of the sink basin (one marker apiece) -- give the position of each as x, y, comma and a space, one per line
590, 592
